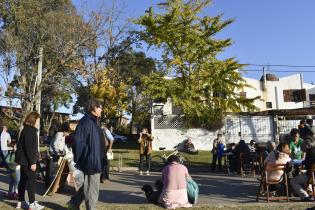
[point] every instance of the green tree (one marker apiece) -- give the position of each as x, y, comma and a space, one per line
66, 38
203, 86
132, 66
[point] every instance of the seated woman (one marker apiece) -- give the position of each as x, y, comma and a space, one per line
278, 156
189, 147
174, 193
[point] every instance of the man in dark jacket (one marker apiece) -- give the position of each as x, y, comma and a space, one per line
88, 155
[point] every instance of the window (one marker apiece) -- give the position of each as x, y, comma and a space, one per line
243, 94
269, 105
294, 95
312, 97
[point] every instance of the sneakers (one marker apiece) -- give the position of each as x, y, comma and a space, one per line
23, 205
307, 199
141, 173
35, 206
148, 173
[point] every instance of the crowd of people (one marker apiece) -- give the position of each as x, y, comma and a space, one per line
91, 147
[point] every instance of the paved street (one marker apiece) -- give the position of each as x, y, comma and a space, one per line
125, 188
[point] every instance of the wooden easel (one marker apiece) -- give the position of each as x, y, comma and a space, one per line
61, 177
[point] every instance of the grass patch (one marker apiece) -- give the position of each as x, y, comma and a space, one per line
131, 156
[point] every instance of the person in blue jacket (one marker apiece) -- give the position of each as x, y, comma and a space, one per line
89, 150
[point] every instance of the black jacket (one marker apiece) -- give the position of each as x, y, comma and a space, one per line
27, 146
309, 159
89, 145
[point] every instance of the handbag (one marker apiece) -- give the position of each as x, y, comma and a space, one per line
192, 191
110, 155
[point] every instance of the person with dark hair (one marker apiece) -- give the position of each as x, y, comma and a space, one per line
252, 145
26, 156
145, 142
189, 147
58, 145
306, 130
295, 147
109, 140
174, 193
299, 182
281, 155
88, 156
217, 152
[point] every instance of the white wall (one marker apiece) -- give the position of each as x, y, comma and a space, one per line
274, 92
259, 128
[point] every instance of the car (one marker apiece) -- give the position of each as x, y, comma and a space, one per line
119, 138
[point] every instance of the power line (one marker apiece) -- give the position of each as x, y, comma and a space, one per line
285, 71
280, 65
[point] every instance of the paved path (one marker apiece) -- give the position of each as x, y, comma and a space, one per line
125, 188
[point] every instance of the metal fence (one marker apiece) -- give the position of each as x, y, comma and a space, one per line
260, 128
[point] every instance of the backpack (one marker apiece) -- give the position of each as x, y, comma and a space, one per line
192, 191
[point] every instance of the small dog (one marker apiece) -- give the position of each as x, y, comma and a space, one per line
153, 196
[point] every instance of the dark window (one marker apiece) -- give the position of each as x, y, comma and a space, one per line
294, 95
312, 97
269, 105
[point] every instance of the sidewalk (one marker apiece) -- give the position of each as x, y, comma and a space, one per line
125, 188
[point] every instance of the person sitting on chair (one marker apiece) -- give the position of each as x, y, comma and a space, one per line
299, 182
189, 147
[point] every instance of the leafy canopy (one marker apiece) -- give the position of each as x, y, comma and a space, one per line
202, 85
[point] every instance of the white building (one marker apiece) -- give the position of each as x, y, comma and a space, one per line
288, 92
285, 93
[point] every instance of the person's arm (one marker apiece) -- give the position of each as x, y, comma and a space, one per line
110, 139
187, 175
31, 147
140, 138
80, 141
9, 139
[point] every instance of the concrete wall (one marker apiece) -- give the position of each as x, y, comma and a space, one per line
259, 128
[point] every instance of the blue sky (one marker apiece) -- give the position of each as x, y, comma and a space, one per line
264, 32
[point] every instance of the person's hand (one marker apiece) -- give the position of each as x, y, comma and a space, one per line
33, 167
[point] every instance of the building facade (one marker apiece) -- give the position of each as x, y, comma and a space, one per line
289, 92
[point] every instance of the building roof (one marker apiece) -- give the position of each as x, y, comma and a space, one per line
269, 77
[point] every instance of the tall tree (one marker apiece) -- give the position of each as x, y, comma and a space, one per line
66, 39
203, 86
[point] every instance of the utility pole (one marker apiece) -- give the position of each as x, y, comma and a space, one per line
39, 79
38, 84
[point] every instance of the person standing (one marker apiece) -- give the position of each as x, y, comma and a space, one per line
5, 140
145, 141
218, 147
26, 156
89, 150
109, 140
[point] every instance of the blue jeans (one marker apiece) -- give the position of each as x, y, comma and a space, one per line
3, 155
297, 162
